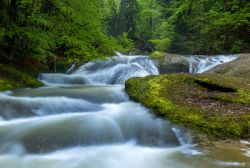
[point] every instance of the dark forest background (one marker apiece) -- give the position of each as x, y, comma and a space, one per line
43, 31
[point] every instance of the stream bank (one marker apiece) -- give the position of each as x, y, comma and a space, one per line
12, 78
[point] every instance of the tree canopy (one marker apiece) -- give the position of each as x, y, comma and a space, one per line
40, 30
83, 30
194, 26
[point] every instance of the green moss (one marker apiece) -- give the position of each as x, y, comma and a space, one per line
214, 104
158, 54
5, 84
11, 78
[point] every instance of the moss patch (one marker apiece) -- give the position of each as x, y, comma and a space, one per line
214, 104
158, 54
11, 78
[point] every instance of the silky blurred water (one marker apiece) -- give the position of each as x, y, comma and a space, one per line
86, 120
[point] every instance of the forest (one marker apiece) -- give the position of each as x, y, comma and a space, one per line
43, 31
124, 83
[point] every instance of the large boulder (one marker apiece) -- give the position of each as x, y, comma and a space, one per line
214, 104
238, 68
172, 63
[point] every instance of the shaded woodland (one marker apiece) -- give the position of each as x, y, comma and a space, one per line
82, 30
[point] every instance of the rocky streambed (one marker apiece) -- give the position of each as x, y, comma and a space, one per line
216, 103
85, 119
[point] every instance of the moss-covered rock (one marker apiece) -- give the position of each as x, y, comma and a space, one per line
214, 104
11, 78
158, 54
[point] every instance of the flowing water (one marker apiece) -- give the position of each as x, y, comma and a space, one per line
85, 120
200, 64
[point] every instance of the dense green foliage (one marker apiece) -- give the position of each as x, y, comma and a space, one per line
209, 26
42, 30
83, 30
188, 26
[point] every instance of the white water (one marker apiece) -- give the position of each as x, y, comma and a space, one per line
85, 120
200, 64
113, 71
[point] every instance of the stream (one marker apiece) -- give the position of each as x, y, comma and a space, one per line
86, 120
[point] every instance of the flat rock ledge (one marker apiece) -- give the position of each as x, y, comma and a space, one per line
216, 105
238, 68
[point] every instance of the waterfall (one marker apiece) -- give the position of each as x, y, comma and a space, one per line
113, 71
85, 120
200, 64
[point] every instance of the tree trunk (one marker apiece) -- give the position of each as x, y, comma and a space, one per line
225, 5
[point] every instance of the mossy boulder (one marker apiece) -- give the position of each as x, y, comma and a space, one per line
216, 105
11, 78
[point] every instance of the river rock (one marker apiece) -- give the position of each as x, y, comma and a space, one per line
214, 104
238, 68
172, 63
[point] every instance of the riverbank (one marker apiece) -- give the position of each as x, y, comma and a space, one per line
13, 78
213, 104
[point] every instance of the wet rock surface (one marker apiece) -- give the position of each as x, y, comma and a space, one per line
172, 63
238, 68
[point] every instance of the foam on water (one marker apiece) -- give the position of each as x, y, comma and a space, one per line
231, 164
